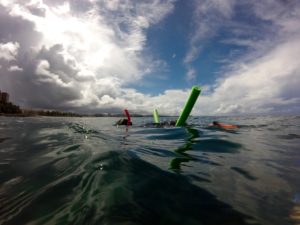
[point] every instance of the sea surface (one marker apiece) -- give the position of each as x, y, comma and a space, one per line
87, 171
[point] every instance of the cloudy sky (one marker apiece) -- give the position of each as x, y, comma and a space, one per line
106, 55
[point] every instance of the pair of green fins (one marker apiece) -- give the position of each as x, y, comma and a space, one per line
186, 110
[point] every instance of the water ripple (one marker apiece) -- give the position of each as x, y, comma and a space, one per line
86, 171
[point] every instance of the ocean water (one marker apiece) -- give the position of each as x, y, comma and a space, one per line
86, 171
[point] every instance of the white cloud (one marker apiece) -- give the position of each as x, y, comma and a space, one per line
46, 76
170, 102
94, 50
86, 57
14, 68
266, 84
242, 42
9, 50
266, 77
208, 16
191, 74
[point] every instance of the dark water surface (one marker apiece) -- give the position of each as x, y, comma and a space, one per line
86, 171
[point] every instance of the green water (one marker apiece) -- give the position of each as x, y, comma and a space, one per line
86, 171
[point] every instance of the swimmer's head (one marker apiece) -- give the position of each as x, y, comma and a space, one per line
216, 123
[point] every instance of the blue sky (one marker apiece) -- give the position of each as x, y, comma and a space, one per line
169, 41
106, 55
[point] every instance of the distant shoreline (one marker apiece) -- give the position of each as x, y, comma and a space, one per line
54, 113
38, 115
133, 116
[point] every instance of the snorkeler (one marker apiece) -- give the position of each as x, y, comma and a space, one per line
126, 122
170, 123
222, 125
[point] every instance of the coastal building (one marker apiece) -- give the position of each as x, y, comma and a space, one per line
4, 97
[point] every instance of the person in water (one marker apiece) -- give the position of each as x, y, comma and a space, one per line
170, 123
223, 125
124, 122
166, 123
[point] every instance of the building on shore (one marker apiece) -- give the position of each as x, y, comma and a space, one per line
6, 107
4, 97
